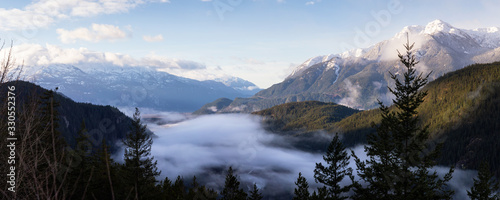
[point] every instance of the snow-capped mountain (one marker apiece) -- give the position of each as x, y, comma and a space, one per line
132, 86
358, 77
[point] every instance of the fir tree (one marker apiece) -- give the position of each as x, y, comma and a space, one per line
255, 194
232, 189
322, 194
485, 187
337, 161
139, 163
399, 158
302, 190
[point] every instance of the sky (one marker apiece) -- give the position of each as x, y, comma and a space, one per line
257, 40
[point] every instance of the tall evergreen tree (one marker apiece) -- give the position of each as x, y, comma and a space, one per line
302, 190
231, 190
139, 163
255, 194
399, 158
485, 187
337, 161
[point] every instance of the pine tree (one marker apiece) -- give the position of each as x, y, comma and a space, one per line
337, 161
302, 190
231, 190
255, 194
138, 160
485, 187
399, 159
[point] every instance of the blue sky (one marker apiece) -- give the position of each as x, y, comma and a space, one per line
258, 40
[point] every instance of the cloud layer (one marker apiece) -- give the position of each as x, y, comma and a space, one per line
96, 33
206, 146
43, 13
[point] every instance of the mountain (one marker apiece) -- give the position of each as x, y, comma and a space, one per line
102, 122
135, 86
461, 109
357, 78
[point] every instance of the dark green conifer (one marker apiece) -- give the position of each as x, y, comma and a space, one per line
301, 192
231, 190
255, 194
331, 175
485, 187
139, 163
399, 159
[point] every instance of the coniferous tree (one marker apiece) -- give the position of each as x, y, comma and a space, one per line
399, 158
231, 190
302, 190
485, 187
322, 194
139, 163
103, 172
337, 161
255, 194
178, 189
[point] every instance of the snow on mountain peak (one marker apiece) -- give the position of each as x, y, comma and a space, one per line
438, 26
310, 62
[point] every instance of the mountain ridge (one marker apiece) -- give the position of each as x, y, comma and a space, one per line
358, 77
135, 86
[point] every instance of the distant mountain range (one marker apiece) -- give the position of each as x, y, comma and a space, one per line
357, 78
135, 86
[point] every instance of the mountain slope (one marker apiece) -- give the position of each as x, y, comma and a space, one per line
308, 115
462, 110
135, 86
102, 122
357, 78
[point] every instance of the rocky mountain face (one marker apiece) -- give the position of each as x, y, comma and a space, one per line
135, 86
357, 78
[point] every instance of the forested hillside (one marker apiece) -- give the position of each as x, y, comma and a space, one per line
461, 110
102, 122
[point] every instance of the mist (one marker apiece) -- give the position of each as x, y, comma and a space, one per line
206, 146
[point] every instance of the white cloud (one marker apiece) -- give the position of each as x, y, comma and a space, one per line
96, 33
309, 3
156, 38
35, 54
43, 13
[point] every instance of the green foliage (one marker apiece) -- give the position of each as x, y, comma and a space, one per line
399, 160
255, 194
231, 190
485, 187
301, 192
309, 115
337, 161
139, 163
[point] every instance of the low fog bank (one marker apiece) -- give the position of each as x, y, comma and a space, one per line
206, 146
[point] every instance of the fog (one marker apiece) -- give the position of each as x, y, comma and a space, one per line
206, 146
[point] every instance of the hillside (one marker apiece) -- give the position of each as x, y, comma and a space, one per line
102, 122
308, 115
462, 110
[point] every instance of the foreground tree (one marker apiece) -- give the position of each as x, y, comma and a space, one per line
399, 159
485, 187
255, 194
140, 167
336, 169
232, 189
302, 190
